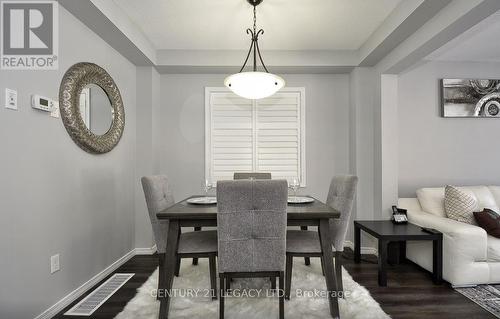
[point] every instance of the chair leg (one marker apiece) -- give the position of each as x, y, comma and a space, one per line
195, 260
213, 276
161, 273
288, 281
177, 266
322, 266
221, 296
273, 282
228, 282
307, 260
281, 296
338, 273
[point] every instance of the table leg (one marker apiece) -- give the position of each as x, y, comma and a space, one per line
382, 263
437, 260
357, 244
307, 260
402, 251
331, 281
195, 260
170, 261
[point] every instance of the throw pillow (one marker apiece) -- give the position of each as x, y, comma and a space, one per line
460, 205
489, 221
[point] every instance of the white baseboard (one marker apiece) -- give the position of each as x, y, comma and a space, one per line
75, 294
364, 250
145, 251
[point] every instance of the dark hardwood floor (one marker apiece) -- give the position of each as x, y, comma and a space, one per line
410, 292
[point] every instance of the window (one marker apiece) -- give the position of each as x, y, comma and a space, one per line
266, 135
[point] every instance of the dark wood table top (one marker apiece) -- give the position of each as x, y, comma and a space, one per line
184, 210
388, 230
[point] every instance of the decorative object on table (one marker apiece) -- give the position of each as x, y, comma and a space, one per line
460, 205
294, 184
358, 304
387, 232
251, 230
486, 296
254, 84
107, 111
252, 176
399, 215
300, 200
206, 200
470, 98
206, 185
489, 221
304, 243
197, 244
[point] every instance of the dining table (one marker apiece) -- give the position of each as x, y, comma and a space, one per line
184, 214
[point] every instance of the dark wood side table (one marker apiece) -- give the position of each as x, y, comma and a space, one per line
387, 232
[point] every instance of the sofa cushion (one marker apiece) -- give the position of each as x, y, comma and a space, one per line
495, 192
489, 221
493, 249
460, 205
432, 198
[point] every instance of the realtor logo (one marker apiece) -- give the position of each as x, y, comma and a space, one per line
29, 35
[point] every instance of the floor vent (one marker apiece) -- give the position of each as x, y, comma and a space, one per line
96, 298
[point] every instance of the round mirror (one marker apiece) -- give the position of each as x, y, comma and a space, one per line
96, 109
91, 107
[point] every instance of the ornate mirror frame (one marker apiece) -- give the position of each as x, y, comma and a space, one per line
74, 80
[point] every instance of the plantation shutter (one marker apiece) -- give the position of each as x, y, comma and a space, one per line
278, 129
264, 135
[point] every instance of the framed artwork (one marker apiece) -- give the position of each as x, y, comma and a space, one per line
477, 98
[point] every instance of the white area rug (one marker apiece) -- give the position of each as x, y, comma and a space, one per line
358, 304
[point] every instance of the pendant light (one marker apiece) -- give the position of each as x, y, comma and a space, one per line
254, 84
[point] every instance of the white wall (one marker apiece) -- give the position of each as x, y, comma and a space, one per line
434, 151
54, 197
180, 129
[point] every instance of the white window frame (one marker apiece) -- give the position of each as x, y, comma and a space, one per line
302, 128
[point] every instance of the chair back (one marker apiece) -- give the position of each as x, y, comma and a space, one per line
158, 197
251, 225
341, 197
252, 175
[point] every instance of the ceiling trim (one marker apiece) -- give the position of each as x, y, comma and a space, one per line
408, 17
290, 69
411, 32
109, 22
456, 18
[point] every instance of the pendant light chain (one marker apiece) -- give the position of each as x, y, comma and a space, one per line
254, 19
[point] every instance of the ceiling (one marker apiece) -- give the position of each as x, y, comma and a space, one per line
288, 24
478, 44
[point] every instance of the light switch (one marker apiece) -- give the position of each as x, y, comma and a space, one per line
11, 99
55, 110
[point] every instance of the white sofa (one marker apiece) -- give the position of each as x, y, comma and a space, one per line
470, 255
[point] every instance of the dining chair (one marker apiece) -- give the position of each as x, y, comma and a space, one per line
305, 243
197, 244
251, 229
252, 175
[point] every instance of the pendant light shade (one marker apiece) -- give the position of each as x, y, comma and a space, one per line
254, 84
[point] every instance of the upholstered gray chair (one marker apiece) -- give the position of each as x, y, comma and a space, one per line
251, 228
302, 243
198, 244
252, 176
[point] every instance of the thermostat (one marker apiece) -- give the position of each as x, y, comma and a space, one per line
42, 103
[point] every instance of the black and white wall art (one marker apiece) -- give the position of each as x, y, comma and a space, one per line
470, 98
